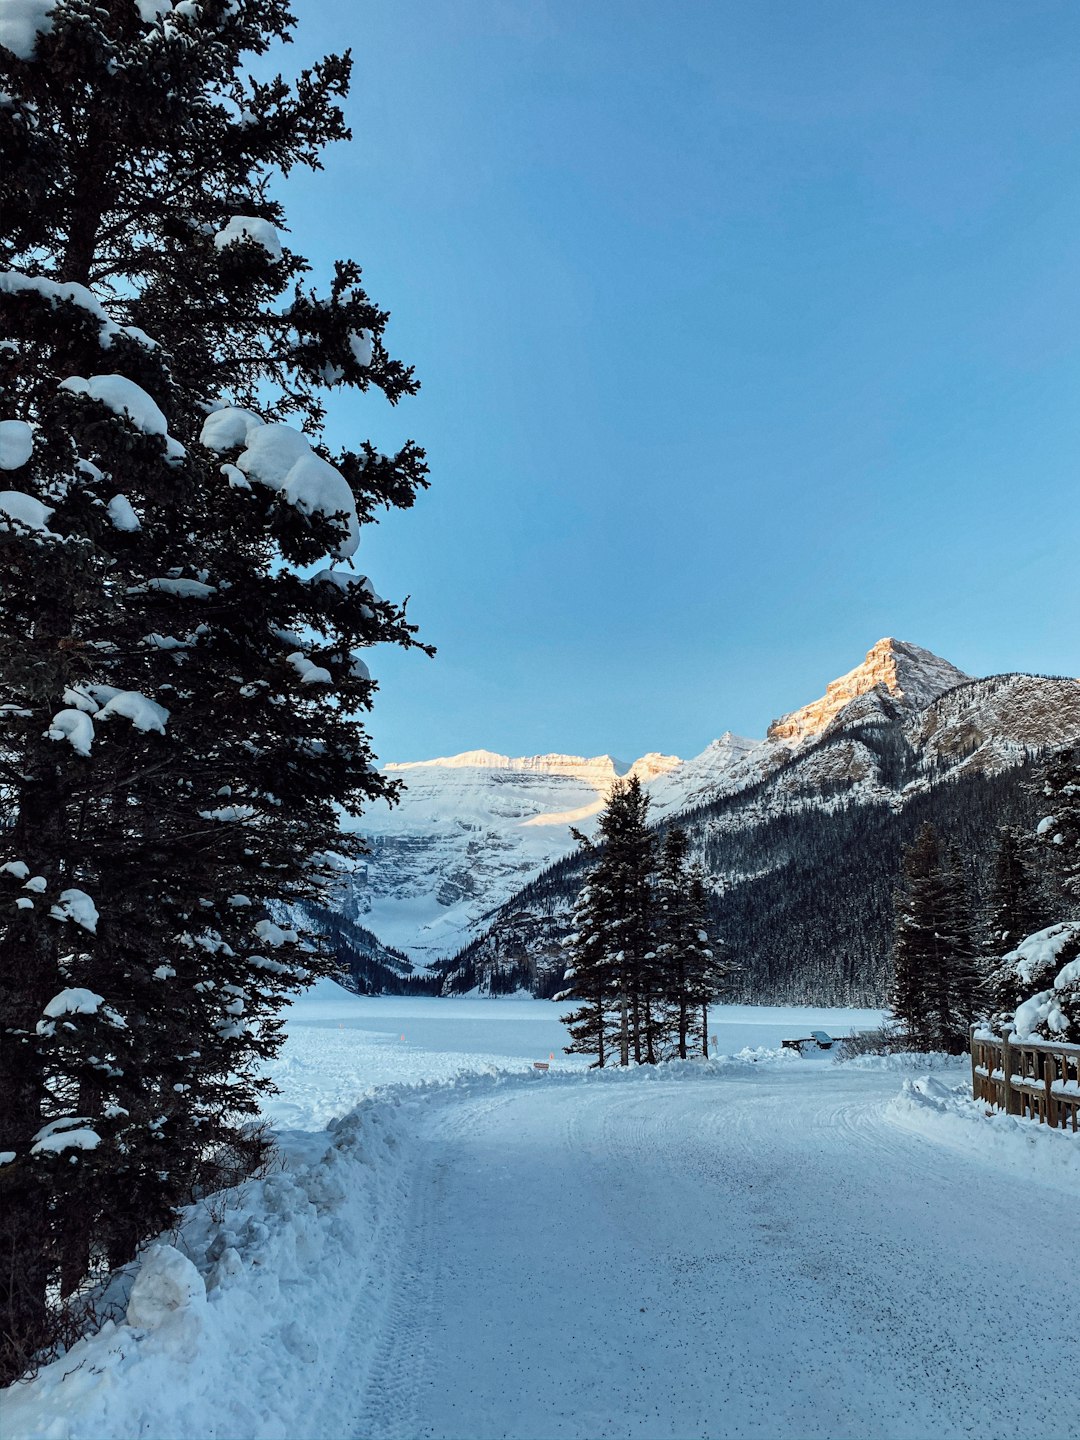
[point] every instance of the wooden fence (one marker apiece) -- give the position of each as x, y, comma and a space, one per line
1038, 1078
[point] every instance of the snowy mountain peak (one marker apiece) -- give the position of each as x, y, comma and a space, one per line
911, 675
652, 765
595, 769
729, 745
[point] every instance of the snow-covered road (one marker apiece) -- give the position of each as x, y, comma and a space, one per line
758, 1245
767, 1252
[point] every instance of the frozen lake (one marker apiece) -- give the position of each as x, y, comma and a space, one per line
341, 1047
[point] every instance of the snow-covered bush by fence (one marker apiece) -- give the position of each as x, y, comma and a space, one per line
1036, 987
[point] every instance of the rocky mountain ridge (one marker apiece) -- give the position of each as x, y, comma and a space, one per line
802, 841
474, 828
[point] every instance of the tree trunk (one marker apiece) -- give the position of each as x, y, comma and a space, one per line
684, 1021
650, 1049
87, 207
24, 1196
624, 1034
705, 1030
29, 978
77, 1232
24, 1320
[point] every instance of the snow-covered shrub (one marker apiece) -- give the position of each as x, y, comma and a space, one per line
887, 1039
1035, 990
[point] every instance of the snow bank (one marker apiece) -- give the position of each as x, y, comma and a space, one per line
168, 1303
235, 1324
906, 1060
945, 1111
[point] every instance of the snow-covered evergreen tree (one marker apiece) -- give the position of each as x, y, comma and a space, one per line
180, 618
935, 979
590, 975
1058, 832
958, 991
613, 958
676, 934
711, 971
694, 971
1012, 909
630, 858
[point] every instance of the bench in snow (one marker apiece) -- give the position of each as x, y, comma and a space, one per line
816, 1037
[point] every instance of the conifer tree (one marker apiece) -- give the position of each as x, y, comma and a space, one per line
694, 972
934, 987
959, 992
630, 852
1058, 832
677, 930
590, 976
710, 970
613, 958
1012, 909
180, 618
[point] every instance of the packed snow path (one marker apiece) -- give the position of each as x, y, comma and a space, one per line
764, 1253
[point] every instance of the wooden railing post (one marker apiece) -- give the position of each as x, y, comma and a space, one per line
1049, 1075
1009, 1096
974, 1068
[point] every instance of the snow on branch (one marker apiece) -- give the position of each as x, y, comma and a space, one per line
76, 906
131, 402
20, 512
16, 444
250, 228
281, 458
68, 292
71, 1134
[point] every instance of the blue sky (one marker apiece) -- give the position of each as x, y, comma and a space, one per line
749, 333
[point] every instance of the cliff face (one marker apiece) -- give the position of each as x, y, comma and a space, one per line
984, 724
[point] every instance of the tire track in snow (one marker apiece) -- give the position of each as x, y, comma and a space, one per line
748, 1255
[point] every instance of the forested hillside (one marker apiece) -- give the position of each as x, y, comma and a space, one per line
803, 892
